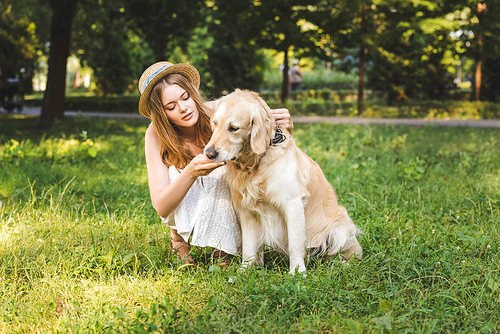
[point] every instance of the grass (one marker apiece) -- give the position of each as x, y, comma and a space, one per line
82, 250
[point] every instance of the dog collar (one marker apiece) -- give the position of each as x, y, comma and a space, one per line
279, 137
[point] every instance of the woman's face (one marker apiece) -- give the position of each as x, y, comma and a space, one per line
179, 107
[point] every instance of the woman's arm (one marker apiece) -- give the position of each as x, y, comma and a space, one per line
166, 196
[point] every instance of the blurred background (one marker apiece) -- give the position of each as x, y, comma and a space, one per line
385, 52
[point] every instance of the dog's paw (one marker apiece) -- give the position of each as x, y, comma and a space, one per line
300, 268
302, 274
244, 266
298, 274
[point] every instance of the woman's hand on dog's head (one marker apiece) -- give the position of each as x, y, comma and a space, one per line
283, 118
202, 166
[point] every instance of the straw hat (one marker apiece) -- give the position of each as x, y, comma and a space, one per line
158, 71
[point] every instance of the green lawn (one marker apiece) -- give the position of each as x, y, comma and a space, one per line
82, 250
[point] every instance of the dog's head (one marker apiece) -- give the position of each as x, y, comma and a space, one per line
242, 123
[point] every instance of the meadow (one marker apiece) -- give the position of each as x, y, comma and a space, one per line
83, 251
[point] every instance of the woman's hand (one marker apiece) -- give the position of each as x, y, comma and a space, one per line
282, 117
202, 166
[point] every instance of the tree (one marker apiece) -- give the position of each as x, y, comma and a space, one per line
488, 52
480, 41
63, 12
18, 54
281, 25
103, 40
165, 24
227, 58
481, 7
348, 25
408, 61
405, 42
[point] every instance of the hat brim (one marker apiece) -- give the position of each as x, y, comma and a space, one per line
186, 69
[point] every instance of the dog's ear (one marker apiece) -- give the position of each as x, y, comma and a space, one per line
262, 128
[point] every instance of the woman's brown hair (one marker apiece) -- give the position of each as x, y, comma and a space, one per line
173, 150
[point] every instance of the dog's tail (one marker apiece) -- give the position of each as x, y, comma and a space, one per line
352, 248
359, 231
347, 242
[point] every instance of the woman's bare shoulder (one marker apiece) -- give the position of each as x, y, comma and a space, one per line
151, 133
152, 140
153, 147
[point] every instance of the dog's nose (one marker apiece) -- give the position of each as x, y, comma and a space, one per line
211, 153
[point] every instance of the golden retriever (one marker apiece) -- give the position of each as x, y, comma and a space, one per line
282, 197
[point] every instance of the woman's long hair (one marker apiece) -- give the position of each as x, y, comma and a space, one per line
173, 149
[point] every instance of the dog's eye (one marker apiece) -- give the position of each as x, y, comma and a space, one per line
232, 128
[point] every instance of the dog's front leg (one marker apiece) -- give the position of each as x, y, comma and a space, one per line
251, 239
297, 239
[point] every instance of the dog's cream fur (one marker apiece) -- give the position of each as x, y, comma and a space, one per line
281, 194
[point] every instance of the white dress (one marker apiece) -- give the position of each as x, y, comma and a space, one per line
206, 214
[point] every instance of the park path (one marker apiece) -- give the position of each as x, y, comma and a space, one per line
482, 123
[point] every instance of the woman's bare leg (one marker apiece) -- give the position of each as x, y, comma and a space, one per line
222, 258
180, 247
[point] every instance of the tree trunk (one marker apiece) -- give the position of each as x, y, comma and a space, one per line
479, 63
63, 12
361, 78
158, 51
479, 57
284, 87
362, 52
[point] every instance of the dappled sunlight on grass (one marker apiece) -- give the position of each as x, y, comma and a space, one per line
82, 249
6, 234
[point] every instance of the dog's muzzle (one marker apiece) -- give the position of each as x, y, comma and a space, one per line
211, 153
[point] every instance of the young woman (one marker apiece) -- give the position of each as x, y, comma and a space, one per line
182, 180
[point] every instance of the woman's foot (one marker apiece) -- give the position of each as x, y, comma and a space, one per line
222, 258
181, 249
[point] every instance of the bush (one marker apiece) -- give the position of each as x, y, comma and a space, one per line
325, 94
321, 102
315, 80
373, 108
119, 103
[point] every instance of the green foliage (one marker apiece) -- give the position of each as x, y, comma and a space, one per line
482, 26
19, 45
491, 72
412, 47
82, 249
345, 105
165, 25
408, 56
317, 95
160, 317
56, 150
91, 102
412, 170
225, 57
318, 79
106, 43
322, 102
